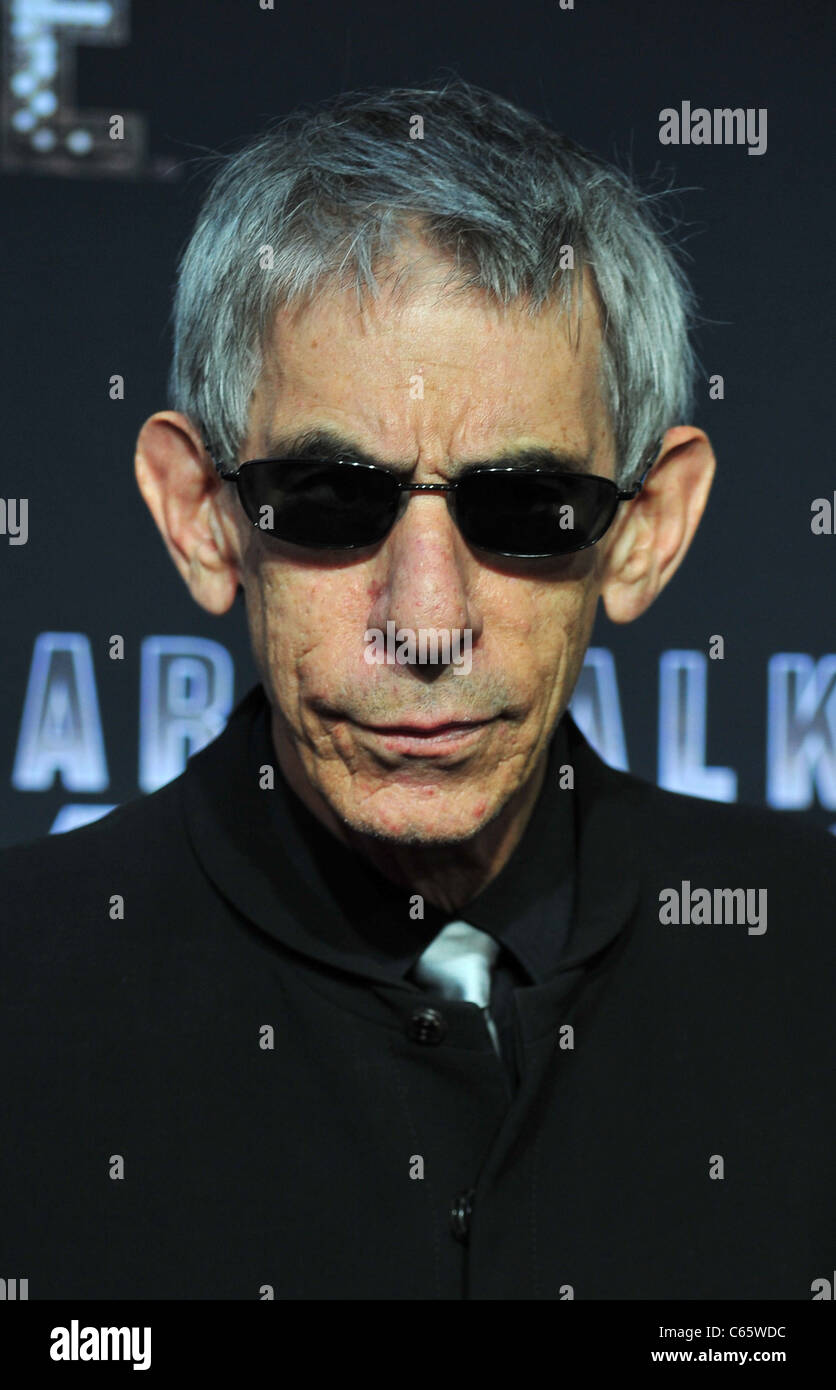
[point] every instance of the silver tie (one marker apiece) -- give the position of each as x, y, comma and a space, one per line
458, 963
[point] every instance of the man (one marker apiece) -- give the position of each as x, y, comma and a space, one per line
413, 997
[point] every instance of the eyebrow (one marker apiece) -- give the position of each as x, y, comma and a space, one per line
331, 447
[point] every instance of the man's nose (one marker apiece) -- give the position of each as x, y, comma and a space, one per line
427, 570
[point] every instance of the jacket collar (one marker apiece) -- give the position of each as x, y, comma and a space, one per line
609, 852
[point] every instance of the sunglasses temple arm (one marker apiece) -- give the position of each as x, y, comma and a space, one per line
648, 459
228, 475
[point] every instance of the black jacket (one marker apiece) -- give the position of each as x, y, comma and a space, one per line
673, 1135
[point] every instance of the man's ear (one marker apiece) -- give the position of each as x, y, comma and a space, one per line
655, 529
183, 492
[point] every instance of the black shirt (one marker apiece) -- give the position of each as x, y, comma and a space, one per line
526, 908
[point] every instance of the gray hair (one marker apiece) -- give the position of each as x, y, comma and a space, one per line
491, 189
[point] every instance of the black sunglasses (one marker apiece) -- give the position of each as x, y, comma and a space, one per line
346, 505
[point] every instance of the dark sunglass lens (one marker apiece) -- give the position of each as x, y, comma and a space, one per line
320, 505
517, 513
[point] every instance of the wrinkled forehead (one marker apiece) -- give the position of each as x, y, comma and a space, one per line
433, 363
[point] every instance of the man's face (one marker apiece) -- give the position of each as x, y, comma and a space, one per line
494, 382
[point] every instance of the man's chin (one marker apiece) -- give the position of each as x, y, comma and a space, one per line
413, 836
401, 823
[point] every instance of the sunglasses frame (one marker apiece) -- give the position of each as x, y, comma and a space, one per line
621, 495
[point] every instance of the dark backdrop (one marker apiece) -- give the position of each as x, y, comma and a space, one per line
88, 259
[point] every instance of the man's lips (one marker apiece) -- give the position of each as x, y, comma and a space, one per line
424, 739
426, 730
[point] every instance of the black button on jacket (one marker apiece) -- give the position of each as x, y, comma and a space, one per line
197, 1104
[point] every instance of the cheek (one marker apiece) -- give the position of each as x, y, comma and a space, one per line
306, 624
537, 623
